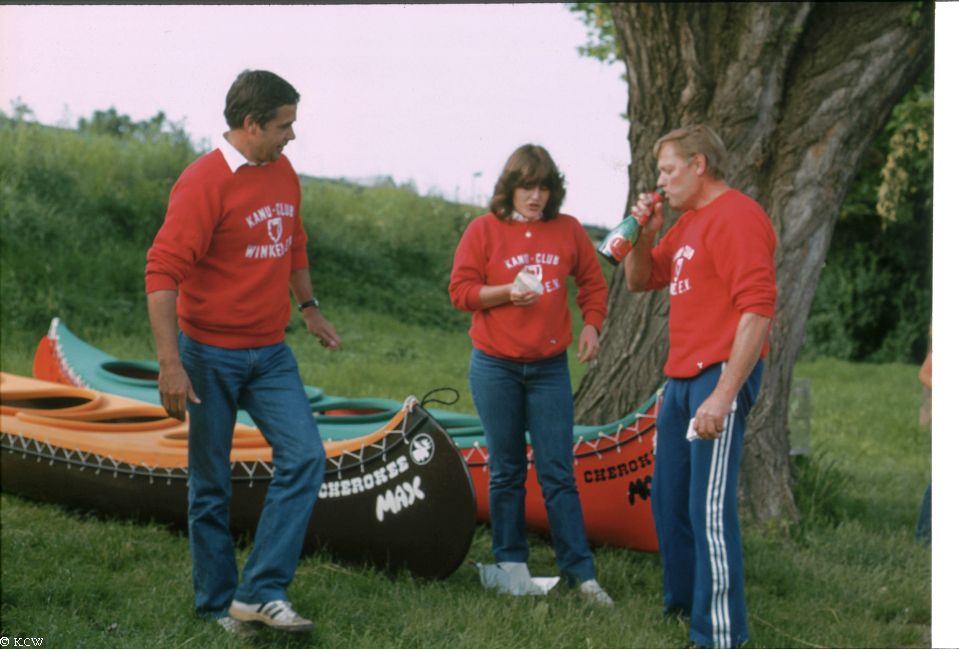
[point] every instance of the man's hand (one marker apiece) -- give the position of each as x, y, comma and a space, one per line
175, 388
638, 264
588, 344
711, 416
747, 345
173, 383
322, 328
648, 212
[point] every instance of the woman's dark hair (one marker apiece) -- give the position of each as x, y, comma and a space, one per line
257, 93
529, 166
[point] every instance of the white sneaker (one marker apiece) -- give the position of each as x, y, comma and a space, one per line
234, 626
594, 593
278, 614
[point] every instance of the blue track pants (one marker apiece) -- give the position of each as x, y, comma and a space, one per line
694, 507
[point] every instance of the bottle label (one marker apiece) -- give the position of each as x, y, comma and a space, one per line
617, 247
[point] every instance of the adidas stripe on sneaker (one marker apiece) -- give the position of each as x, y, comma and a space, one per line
278, 614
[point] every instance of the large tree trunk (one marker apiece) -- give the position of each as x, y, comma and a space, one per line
797, 91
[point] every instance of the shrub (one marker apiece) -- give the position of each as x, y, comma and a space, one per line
874, 299
80, 209
78, 213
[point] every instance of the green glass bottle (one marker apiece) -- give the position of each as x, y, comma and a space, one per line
622, 238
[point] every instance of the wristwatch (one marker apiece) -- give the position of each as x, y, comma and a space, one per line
311, 302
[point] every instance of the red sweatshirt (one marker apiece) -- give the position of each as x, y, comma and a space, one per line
718, 262
492, 252
229, 243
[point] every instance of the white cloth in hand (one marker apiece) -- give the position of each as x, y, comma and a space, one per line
526, 281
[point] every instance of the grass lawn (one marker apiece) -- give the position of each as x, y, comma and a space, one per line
848, 575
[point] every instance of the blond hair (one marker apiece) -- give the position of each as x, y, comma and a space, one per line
698, 138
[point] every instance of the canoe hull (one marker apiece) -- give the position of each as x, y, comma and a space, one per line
614, 478
400, 501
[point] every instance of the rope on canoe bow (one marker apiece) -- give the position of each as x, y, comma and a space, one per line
426, 397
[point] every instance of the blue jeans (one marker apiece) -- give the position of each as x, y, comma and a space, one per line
265, 381
512, 398
694, 508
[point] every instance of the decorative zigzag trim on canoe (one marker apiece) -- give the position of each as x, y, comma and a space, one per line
75, 458
582, 448
624, 434
65, 369
254, 471
370, 452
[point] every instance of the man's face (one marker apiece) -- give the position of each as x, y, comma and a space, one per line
268, 141
679, 176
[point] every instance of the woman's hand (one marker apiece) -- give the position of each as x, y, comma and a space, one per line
500, 294
588, 344
521, 297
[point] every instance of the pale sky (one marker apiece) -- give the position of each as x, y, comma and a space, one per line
429, 93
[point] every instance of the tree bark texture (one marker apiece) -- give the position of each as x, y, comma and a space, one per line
797, 91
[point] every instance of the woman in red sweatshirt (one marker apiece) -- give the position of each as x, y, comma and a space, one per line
510, 271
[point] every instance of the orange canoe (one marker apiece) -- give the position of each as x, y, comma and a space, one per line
399, 498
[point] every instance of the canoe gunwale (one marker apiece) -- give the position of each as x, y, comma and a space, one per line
250, 471
615, 445
16, 443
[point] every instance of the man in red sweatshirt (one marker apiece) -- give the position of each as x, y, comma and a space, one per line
718, 262
222, 266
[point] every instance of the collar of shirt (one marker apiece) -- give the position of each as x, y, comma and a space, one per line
234, 159
519, 217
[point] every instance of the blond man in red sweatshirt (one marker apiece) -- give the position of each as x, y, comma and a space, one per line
510, 271
218, 279
718, 261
